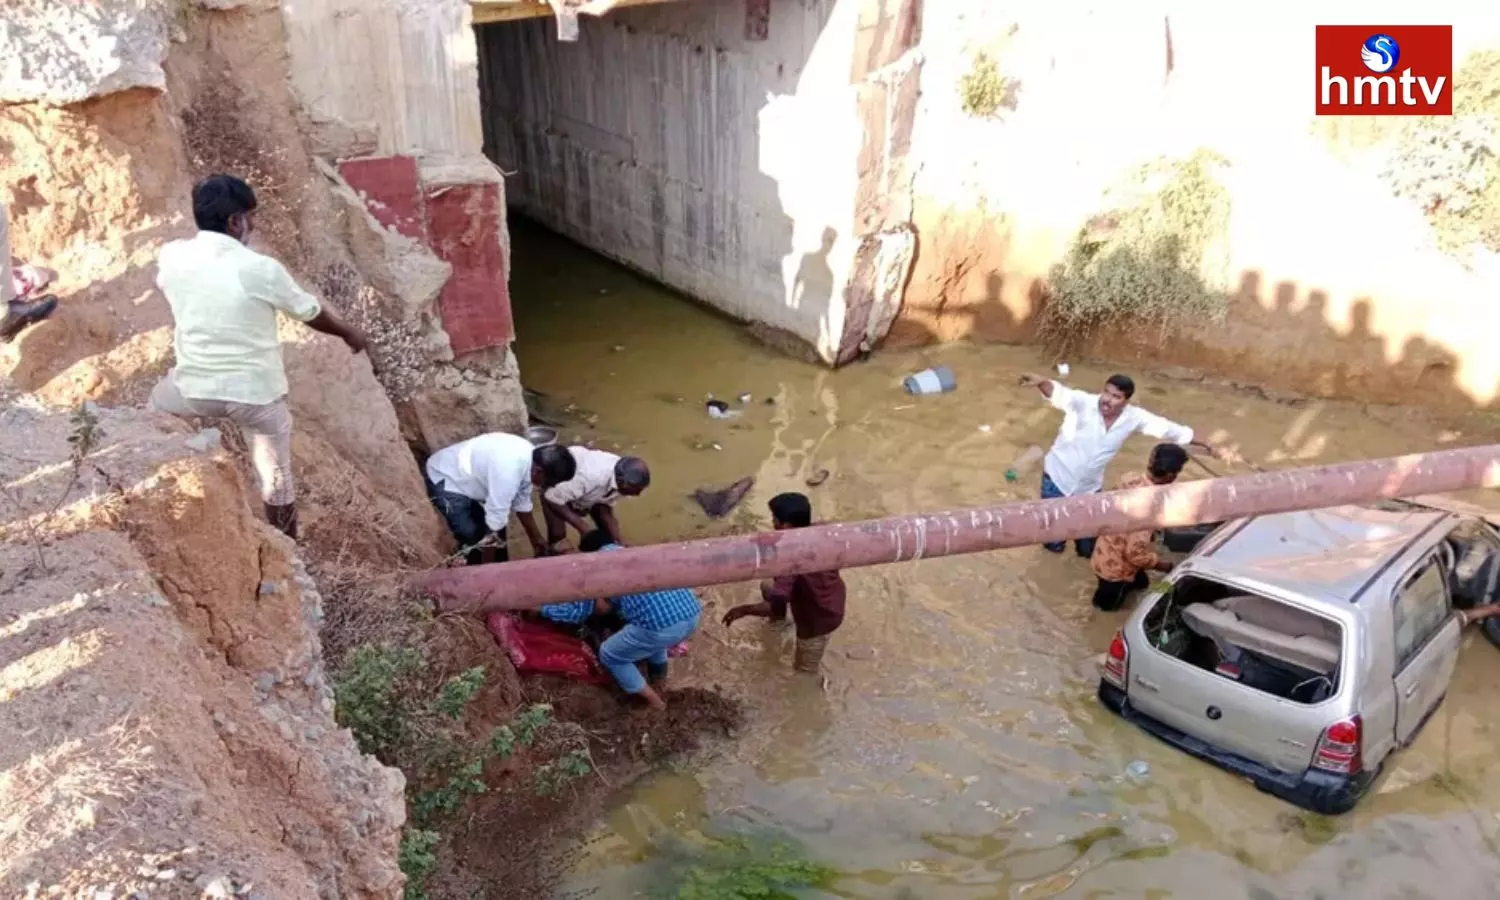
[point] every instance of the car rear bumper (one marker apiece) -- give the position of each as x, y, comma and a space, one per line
1321, 792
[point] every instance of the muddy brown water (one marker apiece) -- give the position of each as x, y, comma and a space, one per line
957, 751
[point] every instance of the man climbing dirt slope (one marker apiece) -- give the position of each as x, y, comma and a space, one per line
224, 298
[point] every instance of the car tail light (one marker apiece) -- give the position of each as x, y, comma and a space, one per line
1118, 660
1340, 747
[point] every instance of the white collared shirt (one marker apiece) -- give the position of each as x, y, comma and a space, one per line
224, 298
494, 469
1084, 446
593, 483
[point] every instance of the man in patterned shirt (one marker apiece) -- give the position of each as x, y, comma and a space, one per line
654, 623
1121, 560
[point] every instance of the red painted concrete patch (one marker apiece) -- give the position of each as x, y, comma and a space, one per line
463, 224
391, 191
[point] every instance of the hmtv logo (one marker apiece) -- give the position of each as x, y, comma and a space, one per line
1385, 70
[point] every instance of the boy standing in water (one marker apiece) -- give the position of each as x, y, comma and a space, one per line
816, 600
1121, 560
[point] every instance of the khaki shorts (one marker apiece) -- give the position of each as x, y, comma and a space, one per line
267, 429
7, 289
809, 655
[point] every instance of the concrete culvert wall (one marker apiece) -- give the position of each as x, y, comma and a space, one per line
721, 163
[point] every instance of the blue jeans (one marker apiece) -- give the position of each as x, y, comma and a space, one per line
465, 518
1084, 546
633, 643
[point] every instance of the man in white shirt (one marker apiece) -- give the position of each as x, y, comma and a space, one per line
224, 299
602, 479
478, 483
1094, 428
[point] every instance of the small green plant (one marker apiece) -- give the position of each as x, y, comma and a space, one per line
456, 692
1160, 261
86, 433
522, 730
461, 784
982, 89
736, 868
375, 696
552, 777
417, 859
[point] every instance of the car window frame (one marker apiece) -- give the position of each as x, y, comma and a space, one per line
1430, 561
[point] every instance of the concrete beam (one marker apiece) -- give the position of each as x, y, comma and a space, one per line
487, 12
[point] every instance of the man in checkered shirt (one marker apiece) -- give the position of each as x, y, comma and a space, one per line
654, 623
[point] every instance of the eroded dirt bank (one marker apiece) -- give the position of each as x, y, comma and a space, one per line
168, 715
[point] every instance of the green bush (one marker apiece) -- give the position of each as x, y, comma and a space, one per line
377, 696
1450, 165
1160, 261
400, 713
983, 89
417, 859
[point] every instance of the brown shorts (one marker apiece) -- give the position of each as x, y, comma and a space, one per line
267, 429
809, 655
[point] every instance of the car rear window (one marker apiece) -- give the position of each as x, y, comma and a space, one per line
1256, 641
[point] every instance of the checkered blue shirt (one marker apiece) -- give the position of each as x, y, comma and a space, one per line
574, 613
652, 611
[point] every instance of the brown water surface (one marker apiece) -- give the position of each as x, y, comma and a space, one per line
957, 751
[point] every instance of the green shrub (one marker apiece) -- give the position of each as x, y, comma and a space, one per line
456, 692
1450, 165
983, 89
376, 696
1160, 261
417, 859
552, 777
400, 713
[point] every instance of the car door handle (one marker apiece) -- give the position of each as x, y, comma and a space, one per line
1410, 692
1148, 685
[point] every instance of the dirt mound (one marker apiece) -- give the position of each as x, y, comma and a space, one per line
517, 845
162, 690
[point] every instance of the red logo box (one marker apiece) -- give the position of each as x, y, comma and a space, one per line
1385, 70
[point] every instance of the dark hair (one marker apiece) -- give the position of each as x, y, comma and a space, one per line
792, 509
593, 541
632, 473
1125, 383
217, 198
1167, 459
556, 463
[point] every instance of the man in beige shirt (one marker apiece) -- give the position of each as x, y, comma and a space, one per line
601, 479
225, 298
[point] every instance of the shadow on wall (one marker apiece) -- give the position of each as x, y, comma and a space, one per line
1283, 337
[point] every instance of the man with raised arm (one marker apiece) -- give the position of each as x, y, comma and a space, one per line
1094, 428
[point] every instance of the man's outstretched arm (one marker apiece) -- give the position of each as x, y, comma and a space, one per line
1045, 385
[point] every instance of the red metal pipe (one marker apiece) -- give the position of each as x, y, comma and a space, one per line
526, 584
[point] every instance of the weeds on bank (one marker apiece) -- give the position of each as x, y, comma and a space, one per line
398, 713
983, 91
1450, 165
1160, 259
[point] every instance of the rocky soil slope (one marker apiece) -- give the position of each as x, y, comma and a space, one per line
169, 726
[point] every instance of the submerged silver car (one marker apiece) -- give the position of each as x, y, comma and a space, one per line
1300, 650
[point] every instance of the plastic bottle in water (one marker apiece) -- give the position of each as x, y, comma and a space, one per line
938, 380
1138, 771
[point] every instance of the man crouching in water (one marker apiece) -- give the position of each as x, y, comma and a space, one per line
655, 622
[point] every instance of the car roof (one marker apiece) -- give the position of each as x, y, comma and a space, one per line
1330, 555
